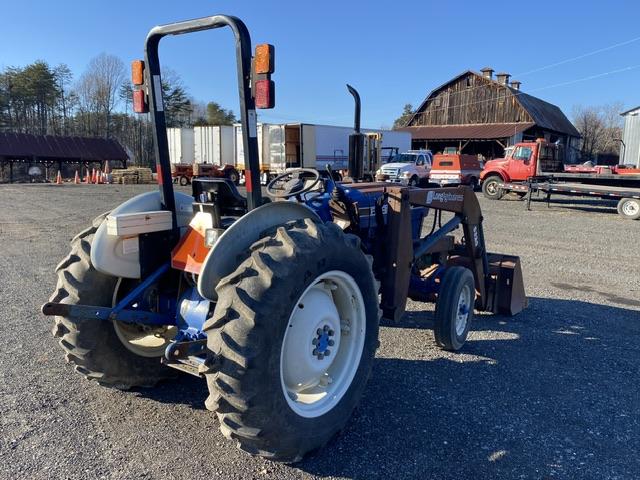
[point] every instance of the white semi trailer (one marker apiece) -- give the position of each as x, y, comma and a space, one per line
181, 145
214, 144
304, 145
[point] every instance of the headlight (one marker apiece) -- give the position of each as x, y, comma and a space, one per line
379, 171
406, 174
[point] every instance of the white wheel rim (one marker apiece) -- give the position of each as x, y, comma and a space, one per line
463, 309
329, 316
143, 340
492, 187
630, 207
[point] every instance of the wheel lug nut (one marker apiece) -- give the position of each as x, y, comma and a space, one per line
319, 331
331, 332
327, 352
326, 328
314, 341
315, 351
331, 343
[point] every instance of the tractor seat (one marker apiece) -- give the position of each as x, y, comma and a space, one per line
221, 192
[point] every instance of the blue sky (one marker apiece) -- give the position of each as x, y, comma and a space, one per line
392, 52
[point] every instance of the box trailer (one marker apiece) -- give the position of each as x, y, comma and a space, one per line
181, 145
304, 145
214, 144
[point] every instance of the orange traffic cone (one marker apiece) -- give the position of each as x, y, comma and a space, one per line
93, 175
107, 170
59, 178
87, 178
99, 177
76, 179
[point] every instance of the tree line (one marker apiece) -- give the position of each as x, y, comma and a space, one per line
47, 100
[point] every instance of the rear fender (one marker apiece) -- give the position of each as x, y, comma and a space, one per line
234, 244
108, 252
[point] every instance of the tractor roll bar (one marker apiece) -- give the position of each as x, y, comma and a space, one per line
247, 103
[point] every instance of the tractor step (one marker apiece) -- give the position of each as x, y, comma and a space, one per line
190, 365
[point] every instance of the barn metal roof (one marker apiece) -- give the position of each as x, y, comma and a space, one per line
544, 114
49, 147
484, 131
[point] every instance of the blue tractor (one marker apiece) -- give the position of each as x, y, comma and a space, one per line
275, 302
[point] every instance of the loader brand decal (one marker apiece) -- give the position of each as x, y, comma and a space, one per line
443, 197
157, 89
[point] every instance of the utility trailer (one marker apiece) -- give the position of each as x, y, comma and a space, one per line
628, 198
531, 167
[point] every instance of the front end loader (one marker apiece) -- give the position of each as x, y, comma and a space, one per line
275, 303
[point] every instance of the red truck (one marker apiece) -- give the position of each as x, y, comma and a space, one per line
455, 169
184, 172
538, 166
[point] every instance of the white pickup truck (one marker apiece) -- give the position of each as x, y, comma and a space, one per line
408, 168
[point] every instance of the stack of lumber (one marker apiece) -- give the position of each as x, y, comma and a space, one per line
132, 175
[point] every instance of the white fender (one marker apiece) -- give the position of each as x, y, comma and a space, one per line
236, 240
108, 251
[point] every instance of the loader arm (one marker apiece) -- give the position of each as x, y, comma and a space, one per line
403, 250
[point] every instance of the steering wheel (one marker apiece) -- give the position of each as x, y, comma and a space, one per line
292, 183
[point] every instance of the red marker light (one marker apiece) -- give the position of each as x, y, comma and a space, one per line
264, 91
140, 104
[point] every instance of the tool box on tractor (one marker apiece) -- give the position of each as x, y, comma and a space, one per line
275, 303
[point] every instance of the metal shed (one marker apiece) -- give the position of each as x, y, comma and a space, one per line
631, 137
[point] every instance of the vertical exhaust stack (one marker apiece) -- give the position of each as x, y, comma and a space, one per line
356, 141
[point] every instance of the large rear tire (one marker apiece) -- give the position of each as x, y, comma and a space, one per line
490, 187
274, 387
93, 346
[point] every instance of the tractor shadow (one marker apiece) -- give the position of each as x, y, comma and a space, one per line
551, 392
184, 390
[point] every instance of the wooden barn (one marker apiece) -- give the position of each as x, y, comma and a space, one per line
482, 114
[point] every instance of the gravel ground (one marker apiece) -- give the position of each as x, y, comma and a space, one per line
551, 393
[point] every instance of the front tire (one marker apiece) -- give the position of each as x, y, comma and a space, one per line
184, 181
275, 388
490, 187
454, 308
93, 346
414, 181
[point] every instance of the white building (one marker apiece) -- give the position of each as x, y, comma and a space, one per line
630, 148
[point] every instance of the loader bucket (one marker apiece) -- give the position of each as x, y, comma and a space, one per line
506, 294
